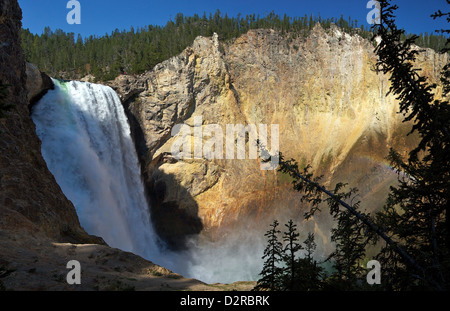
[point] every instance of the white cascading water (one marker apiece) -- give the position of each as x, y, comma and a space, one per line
87, 145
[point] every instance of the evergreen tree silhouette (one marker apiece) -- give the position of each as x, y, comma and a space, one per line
271, 273
290, 237
417, 212
310, 245
310, 276
297, 274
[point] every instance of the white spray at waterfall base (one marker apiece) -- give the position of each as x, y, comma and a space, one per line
87, 145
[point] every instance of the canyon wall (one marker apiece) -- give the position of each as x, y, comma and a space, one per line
321, 90
30, 198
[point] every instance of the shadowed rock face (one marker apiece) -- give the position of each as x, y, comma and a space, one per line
322, 91
28, 191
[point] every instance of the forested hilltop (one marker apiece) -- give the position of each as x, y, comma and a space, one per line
134, 51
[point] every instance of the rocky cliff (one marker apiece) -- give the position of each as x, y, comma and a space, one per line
32, 206
28, 191
39, 228
321, 90
38, 84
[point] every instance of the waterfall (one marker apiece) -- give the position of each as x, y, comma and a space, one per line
87, 145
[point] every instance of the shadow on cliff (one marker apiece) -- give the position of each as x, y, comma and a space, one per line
175, 221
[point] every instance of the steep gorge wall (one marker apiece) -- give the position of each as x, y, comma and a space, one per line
322, 91
30, 199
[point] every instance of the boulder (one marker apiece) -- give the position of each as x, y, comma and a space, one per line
38, 83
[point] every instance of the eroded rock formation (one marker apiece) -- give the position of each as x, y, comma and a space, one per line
28, 191
323, 92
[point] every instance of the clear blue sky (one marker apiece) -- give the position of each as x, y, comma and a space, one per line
104, 16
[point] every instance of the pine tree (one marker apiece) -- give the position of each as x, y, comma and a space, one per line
310, 245
271, 273
290, 237
309, 274
311, 22
354, 229
351, 240
418, 210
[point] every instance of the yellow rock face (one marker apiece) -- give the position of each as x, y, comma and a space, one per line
322, 91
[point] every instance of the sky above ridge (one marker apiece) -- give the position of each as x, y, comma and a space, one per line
99, 17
